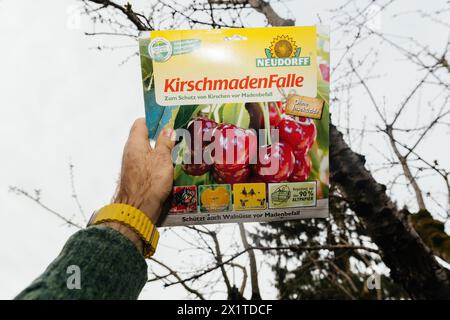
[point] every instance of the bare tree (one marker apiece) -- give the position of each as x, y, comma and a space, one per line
407, 242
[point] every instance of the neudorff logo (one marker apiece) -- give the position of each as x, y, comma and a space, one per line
283, 52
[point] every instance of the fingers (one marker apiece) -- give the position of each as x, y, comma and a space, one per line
139, 130
165, 142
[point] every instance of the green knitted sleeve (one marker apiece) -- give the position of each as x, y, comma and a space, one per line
107, 264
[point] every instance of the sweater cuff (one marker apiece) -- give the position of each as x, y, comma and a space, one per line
109, 264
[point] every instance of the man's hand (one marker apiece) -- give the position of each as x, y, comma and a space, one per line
147, 174
146, 177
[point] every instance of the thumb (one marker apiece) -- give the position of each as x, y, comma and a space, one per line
139, 131
165, 142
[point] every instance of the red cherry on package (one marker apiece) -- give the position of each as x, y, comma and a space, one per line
300, 135
200, 128
238, 176
302, 168
195, 169
280, 106
274, 116
235, 147
277, 163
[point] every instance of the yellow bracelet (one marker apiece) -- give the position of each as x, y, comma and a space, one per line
134, 219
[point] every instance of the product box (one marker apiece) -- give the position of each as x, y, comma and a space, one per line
251, 112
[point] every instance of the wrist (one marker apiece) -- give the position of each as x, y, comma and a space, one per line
131, 222
151, 210
127, 232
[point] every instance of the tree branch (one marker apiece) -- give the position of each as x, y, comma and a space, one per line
126, 9
411, 262
175, 274
256, 295
37, 199
261, 6
291, 248
406, 170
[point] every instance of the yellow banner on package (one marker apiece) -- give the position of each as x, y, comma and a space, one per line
233, 65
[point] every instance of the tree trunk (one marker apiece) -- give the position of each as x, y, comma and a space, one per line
411, 262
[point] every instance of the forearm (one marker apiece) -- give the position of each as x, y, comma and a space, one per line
110, 262
110, 256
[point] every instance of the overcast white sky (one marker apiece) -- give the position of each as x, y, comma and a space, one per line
62, 101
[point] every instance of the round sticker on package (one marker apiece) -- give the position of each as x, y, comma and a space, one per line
160, 49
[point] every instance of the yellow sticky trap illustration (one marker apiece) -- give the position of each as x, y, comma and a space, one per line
249, 196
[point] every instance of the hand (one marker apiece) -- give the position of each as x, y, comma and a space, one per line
147, 175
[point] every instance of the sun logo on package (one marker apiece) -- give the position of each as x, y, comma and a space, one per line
283, 47
283, 52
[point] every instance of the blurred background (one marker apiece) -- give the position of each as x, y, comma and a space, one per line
70, 88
